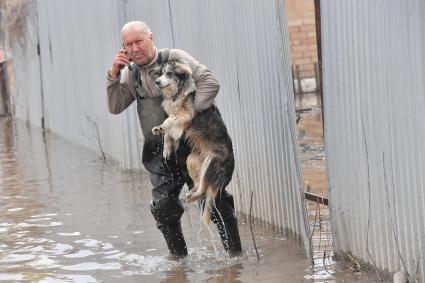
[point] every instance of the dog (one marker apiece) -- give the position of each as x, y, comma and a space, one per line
211, 161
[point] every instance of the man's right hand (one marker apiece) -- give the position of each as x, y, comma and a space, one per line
120, 61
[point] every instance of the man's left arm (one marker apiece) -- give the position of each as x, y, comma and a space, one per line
207, 88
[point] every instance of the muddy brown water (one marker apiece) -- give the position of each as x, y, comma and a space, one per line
68, 216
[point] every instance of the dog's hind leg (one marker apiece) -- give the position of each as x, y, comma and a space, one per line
176, 144
202, 185
168, 146
194, 164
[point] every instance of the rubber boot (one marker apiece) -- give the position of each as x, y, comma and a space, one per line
167, 213
223, 216
229, 234
174, 238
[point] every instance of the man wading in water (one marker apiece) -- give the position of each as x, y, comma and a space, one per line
132, 78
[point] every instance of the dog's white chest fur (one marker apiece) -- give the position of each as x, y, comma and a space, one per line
176, 84
180, 112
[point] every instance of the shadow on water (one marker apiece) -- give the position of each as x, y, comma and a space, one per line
68, 216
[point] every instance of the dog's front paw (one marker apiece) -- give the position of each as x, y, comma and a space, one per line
188, 197
157, 130
166, 153
192, 196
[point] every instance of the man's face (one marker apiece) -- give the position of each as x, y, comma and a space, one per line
139, 45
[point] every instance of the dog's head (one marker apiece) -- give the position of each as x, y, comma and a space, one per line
176, 79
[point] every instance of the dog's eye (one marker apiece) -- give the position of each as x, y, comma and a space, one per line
169, 73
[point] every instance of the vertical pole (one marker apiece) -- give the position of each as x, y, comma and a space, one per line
317, 77
319, 56
297, 70
41, 66
293, 80
41, 83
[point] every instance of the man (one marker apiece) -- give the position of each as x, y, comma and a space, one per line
132, 78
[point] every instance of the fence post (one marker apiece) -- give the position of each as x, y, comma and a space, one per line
4, 94
317, 77
297, 73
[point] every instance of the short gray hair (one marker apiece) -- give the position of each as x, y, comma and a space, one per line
141, 25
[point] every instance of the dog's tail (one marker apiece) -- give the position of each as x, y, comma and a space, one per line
216, 178
215, 175
205, 189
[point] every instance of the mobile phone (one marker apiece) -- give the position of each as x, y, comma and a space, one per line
129, 61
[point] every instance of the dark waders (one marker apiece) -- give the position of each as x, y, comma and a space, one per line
167, 178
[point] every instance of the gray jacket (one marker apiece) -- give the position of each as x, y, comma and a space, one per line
121, 91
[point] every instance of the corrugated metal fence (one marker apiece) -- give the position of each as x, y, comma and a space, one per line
244, 42
374, 98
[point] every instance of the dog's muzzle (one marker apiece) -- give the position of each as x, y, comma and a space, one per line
159, 84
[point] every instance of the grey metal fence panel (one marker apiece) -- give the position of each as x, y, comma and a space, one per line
245, 43
78, 41
373, 61
26, 83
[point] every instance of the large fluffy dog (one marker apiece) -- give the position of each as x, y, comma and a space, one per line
211, 161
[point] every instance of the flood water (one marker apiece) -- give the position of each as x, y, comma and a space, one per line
68, 216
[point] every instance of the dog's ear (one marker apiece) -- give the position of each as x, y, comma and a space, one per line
182, 70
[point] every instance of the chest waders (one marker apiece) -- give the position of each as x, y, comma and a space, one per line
168, 178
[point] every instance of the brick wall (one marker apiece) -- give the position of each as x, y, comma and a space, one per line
302, 33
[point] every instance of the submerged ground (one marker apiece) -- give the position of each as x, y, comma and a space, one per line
68, 216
